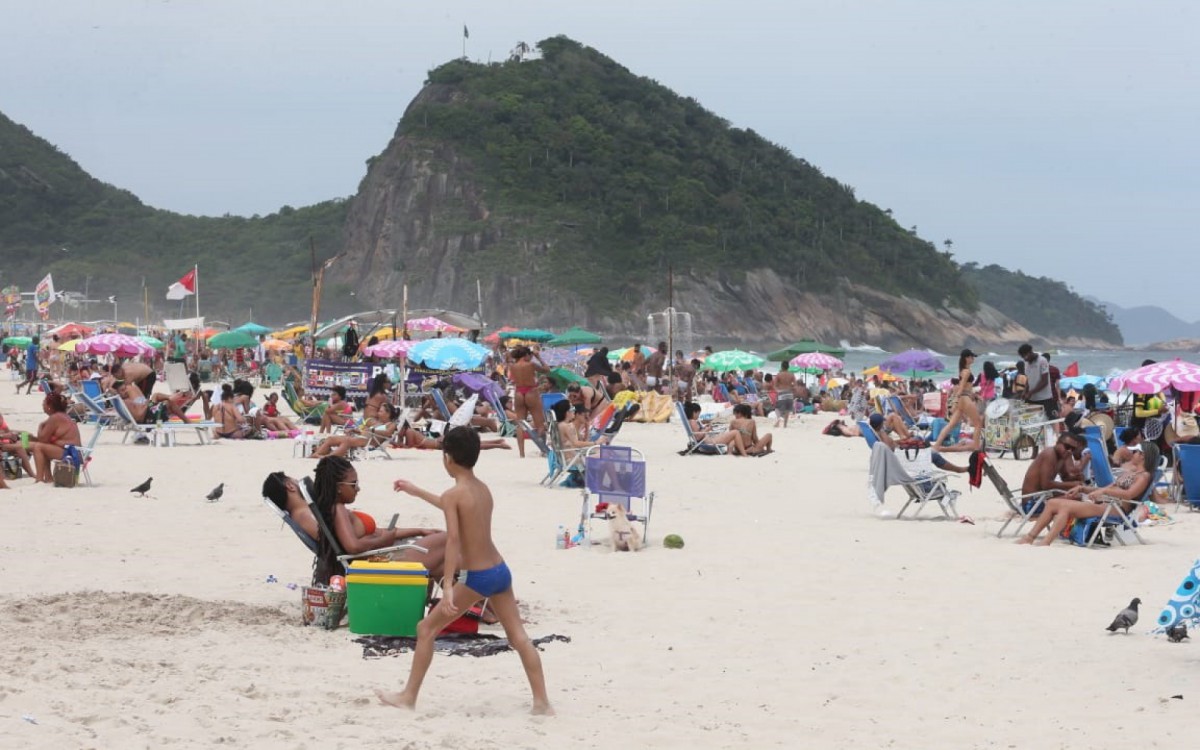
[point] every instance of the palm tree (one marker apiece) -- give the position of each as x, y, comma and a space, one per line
949, 243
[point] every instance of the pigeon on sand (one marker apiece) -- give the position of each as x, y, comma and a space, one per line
1177, 632
215, 495
1126, 618
143, 488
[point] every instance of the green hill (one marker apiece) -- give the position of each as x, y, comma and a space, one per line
1045, 306
47, 203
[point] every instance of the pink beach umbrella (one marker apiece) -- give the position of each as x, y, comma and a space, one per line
1177, 374
115, 343
816, 361
390, 349
431, 324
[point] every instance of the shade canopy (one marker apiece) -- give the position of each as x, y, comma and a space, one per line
233, 340
575, 337
732, 359
528, 334
804, 346
254, 329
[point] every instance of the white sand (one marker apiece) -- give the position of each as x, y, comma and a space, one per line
792, 618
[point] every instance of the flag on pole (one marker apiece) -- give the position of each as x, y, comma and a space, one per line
1072, 370
43, 296
185, 287
466, 34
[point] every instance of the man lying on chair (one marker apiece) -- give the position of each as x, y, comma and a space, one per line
359, 533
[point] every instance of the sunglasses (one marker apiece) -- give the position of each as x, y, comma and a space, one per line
353, 484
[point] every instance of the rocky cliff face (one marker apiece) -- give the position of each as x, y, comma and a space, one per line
420, 219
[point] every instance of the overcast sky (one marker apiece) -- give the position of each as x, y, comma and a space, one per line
1060, 138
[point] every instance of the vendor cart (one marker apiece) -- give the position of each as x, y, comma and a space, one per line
1015, 426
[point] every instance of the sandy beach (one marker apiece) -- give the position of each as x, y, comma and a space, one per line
791, 618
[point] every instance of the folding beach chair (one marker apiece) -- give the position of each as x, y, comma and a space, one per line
1187, 468
439, 398
1114, 516
1024, 507
342, 557
177, 378
307, 414
616, 475
560, 458
695, 446
895, 405
161, 432
925, 488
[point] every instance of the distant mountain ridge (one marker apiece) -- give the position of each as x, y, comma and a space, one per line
1148, 324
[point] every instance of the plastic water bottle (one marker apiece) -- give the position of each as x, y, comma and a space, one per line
560, 538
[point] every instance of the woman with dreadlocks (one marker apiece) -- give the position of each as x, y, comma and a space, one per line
335, 488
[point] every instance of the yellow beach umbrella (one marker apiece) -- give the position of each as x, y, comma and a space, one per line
290, 333
68, 346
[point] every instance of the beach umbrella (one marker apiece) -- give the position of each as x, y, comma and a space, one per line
17, 341
275, 345
254, 329
575, 337
148, 339
129, 329
430, 324
528, 334
911, 361
473, 382
493, 338
560, 357
233, 340
562, 377
804, 346
816, 361
448, 354
1177, 374
287, 333
390, 349
69, 346
114, 343
732, 359
68, 330
626, 354
1077, 382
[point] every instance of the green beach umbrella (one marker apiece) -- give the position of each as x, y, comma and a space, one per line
575, 337
562, 377
804, 346
151, 341
17, 341
733, 359
254, 329
233, 340
528, 334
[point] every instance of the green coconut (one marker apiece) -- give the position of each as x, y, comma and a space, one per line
673, 541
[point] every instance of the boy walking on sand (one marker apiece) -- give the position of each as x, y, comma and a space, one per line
468, 509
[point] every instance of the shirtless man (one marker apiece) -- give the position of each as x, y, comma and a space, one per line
638, 362
655, 365
784, 386
139, 374
523, 373
683, 373
359, 531
1045, 474
468, 509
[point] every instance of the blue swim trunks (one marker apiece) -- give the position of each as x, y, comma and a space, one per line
489, 582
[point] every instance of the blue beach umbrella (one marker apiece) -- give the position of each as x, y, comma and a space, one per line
448, 354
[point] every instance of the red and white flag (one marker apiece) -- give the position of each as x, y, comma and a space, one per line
185, 287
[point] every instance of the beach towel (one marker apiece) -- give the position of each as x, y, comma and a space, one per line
975, 468
885, 471
455, 644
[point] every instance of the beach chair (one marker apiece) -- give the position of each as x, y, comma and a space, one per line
1024, 507
177, 378
307, 414
86, 452
439, 399
161, 432
695, 446
1187, 468
925, 488
560, 459
1113, 516
895, 405
616, 475
271, 374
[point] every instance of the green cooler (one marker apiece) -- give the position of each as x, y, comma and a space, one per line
386, 598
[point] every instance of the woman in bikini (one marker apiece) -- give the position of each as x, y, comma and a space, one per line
1129, 487
232, 424
523, 372
591, 399
377, 396
961, 405
732, 439
743, 422
57, 432
378, 430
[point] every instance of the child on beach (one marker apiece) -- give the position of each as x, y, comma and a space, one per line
468, 509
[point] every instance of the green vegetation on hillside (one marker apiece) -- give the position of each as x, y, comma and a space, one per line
624, 177
48, 203
1044, 306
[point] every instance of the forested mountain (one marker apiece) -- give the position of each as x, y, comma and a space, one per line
565, 186
56, 218
1040, 304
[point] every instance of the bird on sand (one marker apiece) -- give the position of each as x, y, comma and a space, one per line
215, 495
1126, 618
1177, 632
143, 488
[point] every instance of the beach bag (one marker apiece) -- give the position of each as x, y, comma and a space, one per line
12, 467
64, 474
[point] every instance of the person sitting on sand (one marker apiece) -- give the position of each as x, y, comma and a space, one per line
411, 437
355, 531
275, 420
231, 423
339, 410
732, 439
375, 431
1078, 503
743, 422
